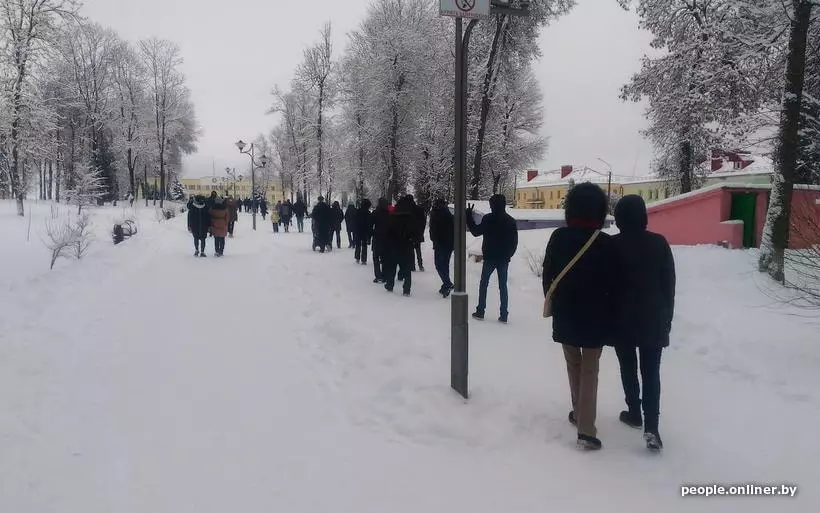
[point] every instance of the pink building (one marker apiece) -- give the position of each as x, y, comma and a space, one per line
733, 215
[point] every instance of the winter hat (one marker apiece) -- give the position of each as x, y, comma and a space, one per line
630, 214
587, 205
320, 199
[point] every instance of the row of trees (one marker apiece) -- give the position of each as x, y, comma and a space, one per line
378, 120
734, 74
79, 105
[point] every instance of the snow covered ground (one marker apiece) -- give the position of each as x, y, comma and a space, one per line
143, 380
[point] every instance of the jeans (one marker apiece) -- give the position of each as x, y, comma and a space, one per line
300, 224
219, 243
199, 243
442, 258
491, 266
400, 259
650, 367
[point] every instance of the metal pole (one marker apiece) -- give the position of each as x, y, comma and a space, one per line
253, 188
459, 342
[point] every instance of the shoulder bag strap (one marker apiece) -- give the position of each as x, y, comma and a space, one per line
571, 263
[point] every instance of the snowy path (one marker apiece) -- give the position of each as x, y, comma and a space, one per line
277, 379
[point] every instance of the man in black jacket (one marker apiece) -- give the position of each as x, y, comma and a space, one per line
401, 234
442, 234
363, 231
420, 218
500, 243
644, 305
321, 217
350, 224
380, 245
300, 210
199, 221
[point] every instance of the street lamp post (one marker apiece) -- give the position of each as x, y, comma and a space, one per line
459, 341
608, 183
263, 160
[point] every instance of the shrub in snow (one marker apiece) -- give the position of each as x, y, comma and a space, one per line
535, 261
68, 237
89, 188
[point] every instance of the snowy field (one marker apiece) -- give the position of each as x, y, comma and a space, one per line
143, 380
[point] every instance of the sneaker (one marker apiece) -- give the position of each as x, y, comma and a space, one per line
358, 262
203, 255
653, 441
479, 316
421, 268
196, 254
631, 419
572, 419
503, 319
589, 443
376, 280
388, 288
364, 263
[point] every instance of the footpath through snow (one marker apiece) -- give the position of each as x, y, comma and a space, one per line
143, 380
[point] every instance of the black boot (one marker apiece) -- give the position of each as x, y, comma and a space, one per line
631, 419
589, 443
653, 441
479, 316
572, 419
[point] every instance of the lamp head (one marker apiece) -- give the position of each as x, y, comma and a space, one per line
264, 160
241, 145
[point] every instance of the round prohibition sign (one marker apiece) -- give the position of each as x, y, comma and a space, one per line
465, 5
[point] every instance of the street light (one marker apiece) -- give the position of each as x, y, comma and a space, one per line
264, 161
459, 334
609, 183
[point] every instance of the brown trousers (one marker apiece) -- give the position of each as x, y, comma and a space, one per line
582, 370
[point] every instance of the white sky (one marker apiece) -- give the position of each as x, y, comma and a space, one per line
235, 52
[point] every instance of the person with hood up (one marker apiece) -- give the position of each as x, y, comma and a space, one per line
322, 220
263, 208
401, 235
442, 235
300, 210
233, 214
350, 224
286, 214
336, 218
199, 222
578, 279
211, 199
380, 243
363, 231
500, 244
219, 225
644, 302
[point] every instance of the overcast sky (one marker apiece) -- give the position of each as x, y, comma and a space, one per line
235, 52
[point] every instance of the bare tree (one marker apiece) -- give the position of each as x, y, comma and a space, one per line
316, 71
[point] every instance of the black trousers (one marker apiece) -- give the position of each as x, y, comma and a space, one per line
338, 237
199, 243
378, 261
230, 227
442, 257
650, 368
399, 259
219, 244
361, 250
416, 255
350, 238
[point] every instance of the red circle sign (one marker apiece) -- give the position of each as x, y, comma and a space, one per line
465, 5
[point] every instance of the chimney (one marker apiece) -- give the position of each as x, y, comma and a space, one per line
565, 171
531, 174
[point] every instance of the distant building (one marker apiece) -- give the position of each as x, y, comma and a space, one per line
226, 186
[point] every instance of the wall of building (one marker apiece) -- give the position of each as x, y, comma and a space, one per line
694, 220
240, 188
805, 219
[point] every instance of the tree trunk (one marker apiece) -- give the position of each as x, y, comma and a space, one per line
17, 177
490, 77
319, 168
776, 231
145, 182
687, 162
131, 166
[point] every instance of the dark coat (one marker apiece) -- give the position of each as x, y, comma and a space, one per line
350, 218
336, 217
381, 216
402, 227
645, 279
499, 230
263, 207
583, 301
299, 208
219, 219
199, 219
442, 229
420, 221
286, 212
322, 217
364, 222
233, 211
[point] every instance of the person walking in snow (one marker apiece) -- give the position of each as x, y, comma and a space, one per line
336, 218
275, 218
130, 199
363, 231
421, 225
500, 244
350, 224
442, 235
300, 210
379, 232
644, 299
401, 235
219, 225
287, 215
233, 214
578, 281
263, 208
322, 222
199, 223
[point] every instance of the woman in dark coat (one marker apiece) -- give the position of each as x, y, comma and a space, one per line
363, 231
199, 222
336, 218
350, 224
582, 300
644, 308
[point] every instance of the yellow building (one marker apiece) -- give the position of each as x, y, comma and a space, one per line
226, 186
